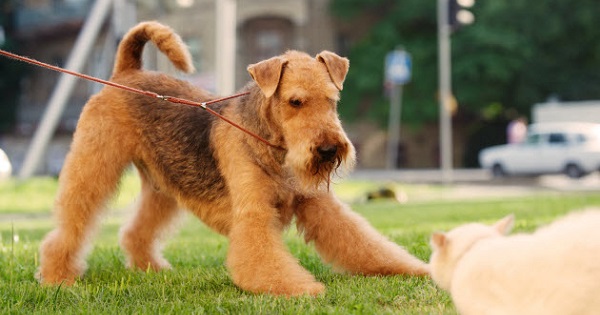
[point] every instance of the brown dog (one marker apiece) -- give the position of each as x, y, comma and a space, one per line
240, 187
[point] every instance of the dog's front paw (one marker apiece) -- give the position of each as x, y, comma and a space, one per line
148, 263
289, 289
312, 289
287, 280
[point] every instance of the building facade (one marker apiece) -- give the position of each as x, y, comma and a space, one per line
47, 30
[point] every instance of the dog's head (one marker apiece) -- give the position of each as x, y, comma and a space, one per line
449, 248
302, 95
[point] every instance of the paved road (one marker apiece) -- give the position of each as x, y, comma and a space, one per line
421, 175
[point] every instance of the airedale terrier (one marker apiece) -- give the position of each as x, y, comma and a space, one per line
240, 187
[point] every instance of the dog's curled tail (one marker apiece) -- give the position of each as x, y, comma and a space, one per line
129, 53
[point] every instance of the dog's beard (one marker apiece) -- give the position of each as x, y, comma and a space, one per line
323, 171
313, 175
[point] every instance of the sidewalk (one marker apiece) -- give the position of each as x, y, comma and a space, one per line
480, 177
468, 184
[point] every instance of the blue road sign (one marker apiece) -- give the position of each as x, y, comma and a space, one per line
397, 67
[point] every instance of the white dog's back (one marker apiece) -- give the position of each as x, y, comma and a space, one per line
555, 270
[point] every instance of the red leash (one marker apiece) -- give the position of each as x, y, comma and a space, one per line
203, 105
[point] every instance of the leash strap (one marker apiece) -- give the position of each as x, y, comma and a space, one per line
172, 99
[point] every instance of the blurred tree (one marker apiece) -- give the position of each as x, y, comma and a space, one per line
412, 25
10, 71
517, 53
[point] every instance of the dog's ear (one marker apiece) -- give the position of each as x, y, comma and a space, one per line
336, 66
505, 225
267, 74
438, 240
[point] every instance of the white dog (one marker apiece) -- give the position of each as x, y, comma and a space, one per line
555, 270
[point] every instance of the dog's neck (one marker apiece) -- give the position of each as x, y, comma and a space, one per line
253, 114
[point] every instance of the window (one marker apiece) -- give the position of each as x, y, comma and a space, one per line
269, 43
266, 37
557, 138
534, 138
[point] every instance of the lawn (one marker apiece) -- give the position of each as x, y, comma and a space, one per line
199, 282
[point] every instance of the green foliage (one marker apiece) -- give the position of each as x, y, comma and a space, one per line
516, 54
411, 25
519, 53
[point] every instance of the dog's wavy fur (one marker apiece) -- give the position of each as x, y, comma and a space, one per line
235, 184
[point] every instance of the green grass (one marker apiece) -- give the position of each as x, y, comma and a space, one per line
199, 283
35, 197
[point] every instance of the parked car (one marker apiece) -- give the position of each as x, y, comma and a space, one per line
5, 167
569, 148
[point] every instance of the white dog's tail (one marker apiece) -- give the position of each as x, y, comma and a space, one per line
129, 54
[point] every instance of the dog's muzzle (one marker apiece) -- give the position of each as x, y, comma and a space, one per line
327, 153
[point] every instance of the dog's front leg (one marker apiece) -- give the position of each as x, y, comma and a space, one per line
258, 259
347, 241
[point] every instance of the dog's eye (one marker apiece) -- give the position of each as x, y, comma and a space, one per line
295, 103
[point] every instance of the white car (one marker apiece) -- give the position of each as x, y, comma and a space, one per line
5, 167
569, 148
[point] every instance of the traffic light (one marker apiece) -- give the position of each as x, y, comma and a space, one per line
459, 15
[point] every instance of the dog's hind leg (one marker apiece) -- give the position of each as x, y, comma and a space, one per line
349, 242
88, 179
140, 237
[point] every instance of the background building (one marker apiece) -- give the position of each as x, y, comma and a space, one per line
46, 30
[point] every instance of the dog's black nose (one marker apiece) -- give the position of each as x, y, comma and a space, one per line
327, 152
